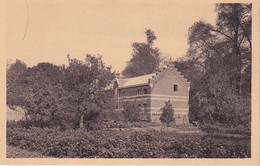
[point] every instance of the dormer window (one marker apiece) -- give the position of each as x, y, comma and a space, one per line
175, 87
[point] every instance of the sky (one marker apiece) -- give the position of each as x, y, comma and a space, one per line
47, 31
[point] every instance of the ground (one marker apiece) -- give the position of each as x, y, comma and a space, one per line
15, 152
14, 114
131, 142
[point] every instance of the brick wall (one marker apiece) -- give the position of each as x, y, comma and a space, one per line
163, 90
167, 85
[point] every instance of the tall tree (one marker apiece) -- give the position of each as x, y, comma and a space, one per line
234, 23
146, 58
218, 65
86, 81
229, 42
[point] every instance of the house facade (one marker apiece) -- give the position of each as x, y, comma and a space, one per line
151, 92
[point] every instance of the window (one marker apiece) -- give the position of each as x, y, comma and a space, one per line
145, 91
139, 92
145, 105
124, 103
122, 93
175, 87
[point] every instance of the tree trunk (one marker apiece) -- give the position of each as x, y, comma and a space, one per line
81, 122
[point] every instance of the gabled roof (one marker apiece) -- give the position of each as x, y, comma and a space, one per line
144, 79
140, 80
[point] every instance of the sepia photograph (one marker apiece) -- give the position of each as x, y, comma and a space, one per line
129, 80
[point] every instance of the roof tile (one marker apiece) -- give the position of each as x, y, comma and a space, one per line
135, 80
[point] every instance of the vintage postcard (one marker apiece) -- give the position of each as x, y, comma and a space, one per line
117, 82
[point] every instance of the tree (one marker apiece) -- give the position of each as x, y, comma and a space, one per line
229, 42
218, 64
167, 114
132, 112
86, 82
14, 94
234, 23
38, 91
44, 95
146, 58
14, 75
60, 96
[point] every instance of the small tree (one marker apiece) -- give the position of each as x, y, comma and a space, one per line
132, 112
167, 114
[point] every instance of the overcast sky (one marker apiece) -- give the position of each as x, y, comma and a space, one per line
108, 28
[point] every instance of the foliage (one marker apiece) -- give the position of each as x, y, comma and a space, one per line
127, 144
167, 114
225, 129
37, 91
18, 124
218, 64
146, 59
14, 76
132, 112
112, 115
59, 96
228, 44
86, 81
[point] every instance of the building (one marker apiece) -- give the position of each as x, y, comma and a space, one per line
151, 92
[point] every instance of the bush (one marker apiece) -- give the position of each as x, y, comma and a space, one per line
132, 112
126, 144
167, 114
112, 115
18, 124
225, 129
115, 124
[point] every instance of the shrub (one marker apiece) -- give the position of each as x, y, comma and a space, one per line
126, 144
112, 115
132, 112
167, 114
18, 124
226, 129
